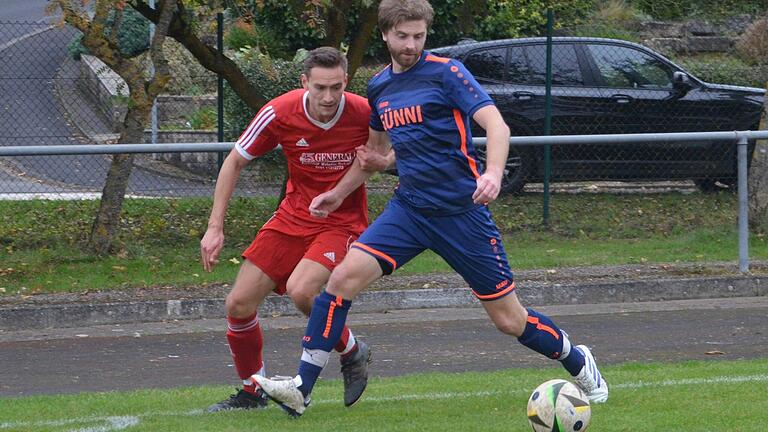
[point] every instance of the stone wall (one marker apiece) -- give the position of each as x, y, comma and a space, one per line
109, 92
694, 36
205, 163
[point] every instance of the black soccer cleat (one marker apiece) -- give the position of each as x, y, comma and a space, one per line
355, 371
241, 400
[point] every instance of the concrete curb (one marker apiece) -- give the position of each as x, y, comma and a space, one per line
533, 294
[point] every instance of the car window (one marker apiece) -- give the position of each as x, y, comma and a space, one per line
517, 68
565, 65
624, 67
487, 65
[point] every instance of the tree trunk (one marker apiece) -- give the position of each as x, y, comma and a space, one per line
107, 221
358, 45
758, 186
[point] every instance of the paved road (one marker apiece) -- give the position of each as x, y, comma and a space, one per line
35, 69
24, 10
163, 355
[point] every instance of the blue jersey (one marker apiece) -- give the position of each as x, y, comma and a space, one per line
426, 112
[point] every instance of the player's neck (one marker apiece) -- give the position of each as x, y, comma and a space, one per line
317, 117
398, 68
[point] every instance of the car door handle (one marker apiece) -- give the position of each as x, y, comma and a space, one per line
523, 95
621, 98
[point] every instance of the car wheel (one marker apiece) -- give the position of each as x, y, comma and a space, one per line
515, 170
709, 185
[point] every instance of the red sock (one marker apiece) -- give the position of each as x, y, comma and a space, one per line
245, 342
347, 344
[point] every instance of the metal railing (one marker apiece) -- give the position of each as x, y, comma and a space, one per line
740, 138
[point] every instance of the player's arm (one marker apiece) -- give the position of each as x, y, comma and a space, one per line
379, 155
213, 240
497, 133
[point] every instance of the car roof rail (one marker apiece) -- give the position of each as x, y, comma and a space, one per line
465, 40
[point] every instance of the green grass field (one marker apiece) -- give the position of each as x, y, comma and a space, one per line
689, 396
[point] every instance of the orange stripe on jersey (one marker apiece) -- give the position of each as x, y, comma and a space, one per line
463, 136
540, 326
434, 58
329, 320
379, 254
495, 295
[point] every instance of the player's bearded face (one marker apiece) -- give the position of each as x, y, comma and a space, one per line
325, 86
405, 43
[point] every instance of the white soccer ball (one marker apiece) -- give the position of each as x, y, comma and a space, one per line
558, 406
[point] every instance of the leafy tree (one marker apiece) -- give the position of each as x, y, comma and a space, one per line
101, 38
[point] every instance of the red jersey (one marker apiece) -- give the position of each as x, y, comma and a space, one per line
318, 155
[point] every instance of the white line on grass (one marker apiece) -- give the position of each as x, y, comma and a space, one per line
117, 423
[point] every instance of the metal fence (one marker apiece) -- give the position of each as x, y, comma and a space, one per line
738, 141
54, 96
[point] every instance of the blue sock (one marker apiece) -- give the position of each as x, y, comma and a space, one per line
543, 336
326, 322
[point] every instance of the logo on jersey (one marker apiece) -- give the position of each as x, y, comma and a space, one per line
393, 118
331, 256
302, 143
327, 161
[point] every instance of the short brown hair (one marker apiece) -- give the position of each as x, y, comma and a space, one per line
325, 57
394, 12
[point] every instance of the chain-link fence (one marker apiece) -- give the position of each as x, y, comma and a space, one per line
53, 93
601, 86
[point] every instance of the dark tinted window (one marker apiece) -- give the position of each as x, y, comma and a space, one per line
565, 65
624, 67
517, 71
487, 65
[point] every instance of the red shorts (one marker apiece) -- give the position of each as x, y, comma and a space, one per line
277, 253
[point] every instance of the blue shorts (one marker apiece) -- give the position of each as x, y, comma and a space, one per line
469, 242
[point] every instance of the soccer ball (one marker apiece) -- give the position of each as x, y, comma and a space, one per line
558, 406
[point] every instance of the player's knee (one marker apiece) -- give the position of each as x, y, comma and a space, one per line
343, 282
238, 306
302, 295
510, 325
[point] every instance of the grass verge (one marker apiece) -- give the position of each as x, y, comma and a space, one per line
42, 242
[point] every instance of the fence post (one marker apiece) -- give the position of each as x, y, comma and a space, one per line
743, 205
548, 117
220, 89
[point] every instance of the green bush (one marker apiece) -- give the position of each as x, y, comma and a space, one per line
681, 9
724, 69
132, 35
516, 18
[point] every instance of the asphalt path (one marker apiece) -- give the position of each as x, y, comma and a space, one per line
31, 11
166, 355
36, 77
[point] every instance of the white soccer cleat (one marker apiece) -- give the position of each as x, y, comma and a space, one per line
284, 392
589, 379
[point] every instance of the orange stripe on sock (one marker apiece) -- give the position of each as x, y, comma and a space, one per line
329, 320
540, 326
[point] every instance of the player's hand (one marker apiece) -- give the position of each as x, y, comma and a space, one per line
323, 204
371, 160
488, 187
210, 248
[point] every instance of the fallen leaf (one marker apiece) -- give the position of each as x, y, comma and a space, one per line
234, 261
118, 268
715, 352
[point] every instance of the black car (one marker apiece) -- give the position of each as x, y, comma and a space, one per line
607, 86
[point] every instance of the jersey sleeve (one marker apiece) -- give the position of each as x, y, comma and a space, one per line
375, 121
463, 90
260, 136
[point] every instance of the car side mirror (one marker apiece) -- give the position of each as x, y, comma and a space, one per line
681, 81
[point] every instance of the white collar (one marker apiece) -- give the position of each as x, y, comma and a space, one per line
331, 122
